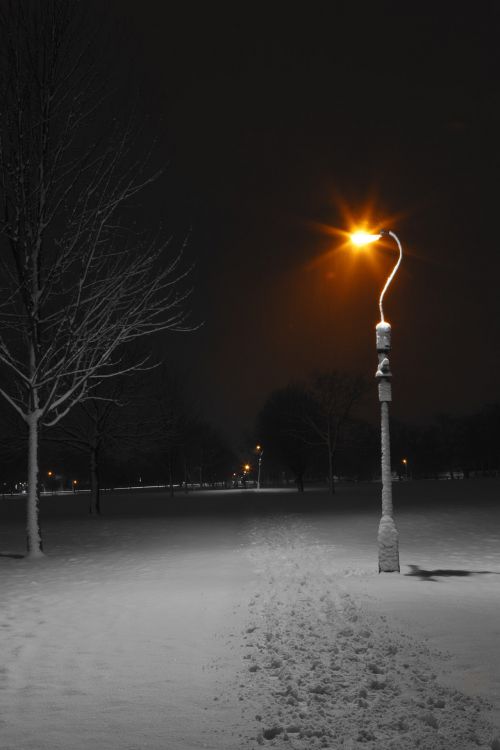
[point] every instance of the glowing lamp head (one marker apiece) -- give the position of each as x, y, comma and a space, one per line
360, 239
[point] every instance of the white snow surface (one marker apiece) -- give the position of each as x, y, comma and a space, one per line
228, 630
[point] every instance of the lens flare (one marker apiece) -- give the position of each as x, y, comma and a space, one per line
363, 238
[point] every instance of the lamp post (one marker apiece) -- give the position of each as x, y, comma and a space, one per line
259, 449
404, 461
388, 537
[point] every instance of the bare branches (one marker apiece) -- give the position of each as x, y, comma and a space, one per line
76, 284
302, 417
334, 394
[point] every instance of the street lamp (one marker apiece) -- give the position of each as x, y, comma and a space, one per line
404, 461
388, 538
246, 470
259, 450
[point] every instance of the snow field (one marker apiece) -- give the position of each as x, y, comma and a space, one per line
256, 629
323, 671
119, 640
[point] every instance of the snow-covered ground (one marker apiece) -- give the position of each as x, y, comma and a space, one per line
266, 627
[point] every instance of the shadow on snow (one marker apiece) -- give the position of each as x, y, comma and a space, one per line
432, 575
12, 554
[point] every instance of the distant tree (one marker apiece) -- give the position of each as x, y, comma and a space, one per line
332, 398
488, 439
471, 442
180, 443
405, 439
207, 453
77, 285
450, 430
358, 454
13, 435
172, 417
283, 430
111, 420
427, 458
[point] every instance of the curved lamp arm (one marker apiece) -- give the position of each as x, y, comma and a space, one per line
388, 233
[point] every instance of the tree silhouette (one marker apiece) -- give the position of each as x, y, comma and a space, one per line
282, 425
77, 284
333, 396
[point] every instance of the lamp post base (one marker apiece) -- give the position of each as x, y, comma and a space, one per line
388, 546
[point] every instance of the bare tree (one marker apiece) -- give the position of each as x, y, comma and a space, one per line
207, 454
333, 396
12, 448
76, 285
172, 416
178, 438
281, 423
111, 418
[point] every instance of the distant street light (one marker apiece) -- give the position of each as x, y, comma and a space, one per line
246, 470
388, 538
259, 449
404, 461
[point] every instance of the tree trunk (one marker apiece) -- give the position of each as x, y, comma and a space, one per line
33, 530
170, 473
95, 485
331, 482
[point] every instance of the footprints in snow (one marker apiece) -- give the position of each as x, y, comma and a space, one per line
326, 675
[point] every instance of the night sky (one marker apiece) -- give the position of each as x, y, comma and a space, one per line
282, 125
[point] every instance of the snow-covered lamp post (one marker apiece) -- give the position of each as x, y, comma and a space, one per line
388, 538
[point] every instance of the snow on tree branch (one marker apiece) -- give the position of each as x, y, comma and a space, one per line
78, 284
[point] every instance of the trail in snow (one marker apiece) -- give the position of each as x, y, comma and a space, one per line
322, 670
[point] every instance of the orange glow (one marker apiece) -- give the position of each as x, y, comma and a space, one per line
342, 272
360, 238
49, 473
368, 220
247, 467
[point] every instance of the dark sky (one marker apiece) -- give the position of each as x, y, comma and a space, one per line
280, 123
